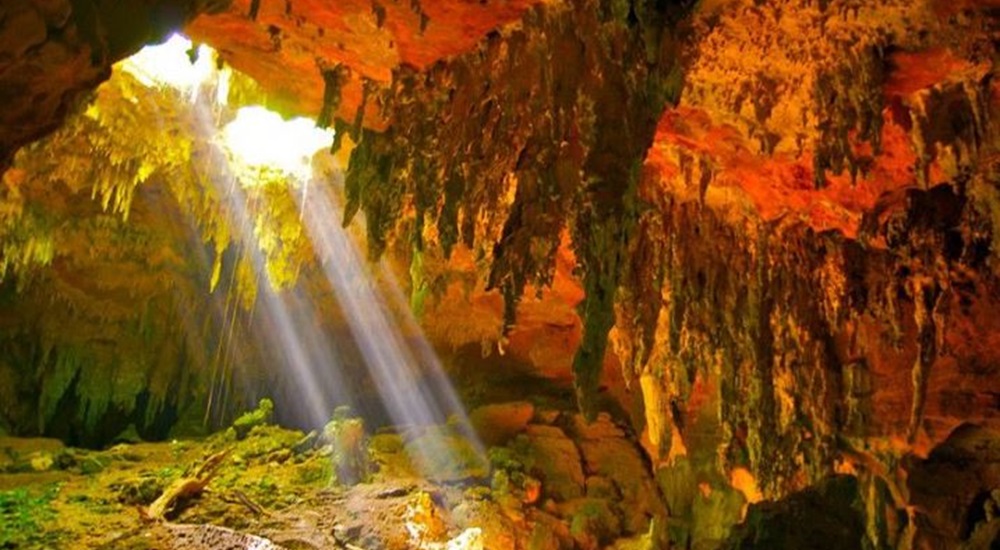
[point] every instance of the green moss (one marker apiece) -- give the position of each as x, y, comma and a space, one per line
24, 515
251, 419
144, 489
419, 287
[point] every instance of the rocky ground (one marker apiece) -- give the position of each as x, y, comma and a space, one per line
546, 480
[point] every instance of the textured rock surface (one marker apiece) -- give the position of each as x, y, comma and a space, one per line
820, 249
53, 51
497, 424
821, 517
555, 460
293, 48
955, 488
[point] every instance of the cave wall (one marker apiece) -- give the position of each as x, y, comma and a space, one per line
108, 319
108, 335
817, 274
129, 286
797, 271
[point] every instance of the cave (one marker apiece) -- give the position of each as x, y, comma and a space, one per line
499, 274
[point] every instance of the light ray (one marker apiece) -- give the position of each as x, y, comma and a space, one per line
260, 148
389, 354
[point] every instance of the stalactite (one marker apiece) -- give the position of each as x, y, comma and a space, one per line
334, 79
109, 158
378, 10
849, 100
926, 294
443, 152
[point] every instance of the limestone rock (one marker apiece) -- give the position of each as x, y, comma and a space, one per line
346, 438
602, 428
496, 424
602, 487
593, 522
207, 537
497, 529
444, 455
606, 453
549, 533
554, 459
822, 517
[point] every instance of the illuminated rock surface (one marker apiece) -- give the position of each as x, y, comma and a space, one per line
756, 242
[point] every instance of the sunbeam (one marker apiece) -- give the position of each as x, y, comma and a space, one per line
259, 149
392, 353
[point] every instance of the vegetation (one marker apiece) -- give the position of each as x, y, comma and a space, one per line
125, 218
24, 516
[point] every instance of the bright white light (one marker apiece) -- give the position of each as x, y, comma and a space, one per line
259, 140
169, 64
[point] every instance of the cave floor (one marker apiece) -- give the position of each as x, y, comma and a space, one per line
547, 480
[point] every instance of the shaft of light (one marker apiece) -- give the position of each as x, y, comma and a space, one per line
388, 353
378, 317
304, 352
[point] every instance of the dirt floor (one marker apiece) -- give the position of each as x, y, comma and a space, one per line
521, 477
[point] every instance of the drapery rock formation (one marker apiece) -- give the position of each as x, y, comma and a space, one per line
776, 220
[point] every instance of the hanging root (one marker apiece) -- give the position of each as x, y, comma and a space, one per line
185, 488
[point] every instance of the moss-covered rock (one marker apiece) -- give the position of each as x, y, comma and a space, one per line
593, 522
445, 455
549, 533
257, 417
347, 442
552, 458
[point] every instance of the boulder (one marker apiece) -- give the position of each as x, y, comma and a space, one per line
593, 522
607, 454
553, 459
496, 424
347, 441
257, 417
824, 516
443, 455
